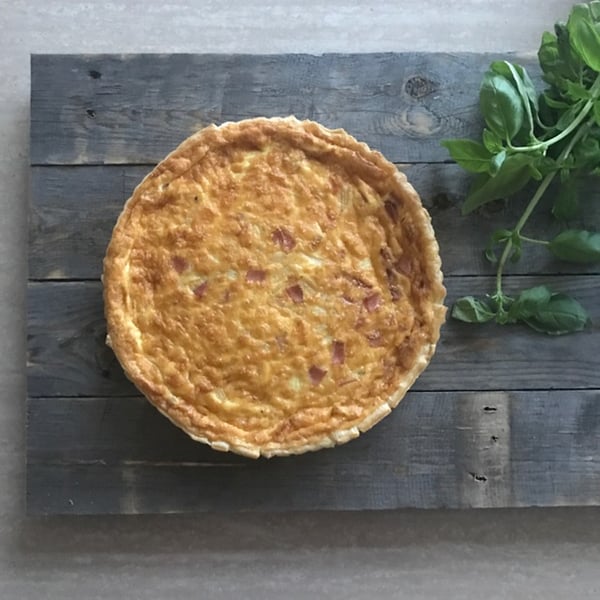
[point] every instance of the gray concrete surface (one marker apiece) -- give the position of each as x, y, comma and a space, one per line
407, 554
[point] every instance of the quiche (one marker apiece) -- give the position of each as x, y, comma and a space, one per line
273, 287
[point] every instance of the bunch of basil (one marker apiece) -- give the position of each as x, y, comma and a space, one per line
530, 136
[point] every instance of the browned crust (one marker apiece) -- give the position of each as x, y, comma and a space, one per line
312, 138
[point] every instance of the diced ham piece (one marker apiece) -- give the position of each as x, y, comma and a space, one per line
338, 353
284, 239
391, 208
200, 290
404, 265
372, 302
393, 284
255, 275
316, 374
179, 263
295, 293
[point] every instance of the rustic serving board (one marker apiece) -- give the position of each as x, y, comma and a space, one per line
502, 417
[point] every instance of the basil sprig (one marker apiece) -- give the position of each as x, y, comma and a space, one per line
537, 137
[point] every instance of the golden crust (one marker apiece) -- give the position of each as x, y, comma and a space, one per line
273, 287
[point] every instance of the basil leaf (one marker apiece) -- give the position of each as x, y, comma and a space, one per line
568, 116
510, 178
472, 310
498, 236
517, 250
584, 38
496, 162
576, 245
548, 56
570, 64
522, 82
576, 91
501, 105
586, 154
597, 112
471, 156
528, 303
491, 141
566, 203
594, 7
560, 315
554, 103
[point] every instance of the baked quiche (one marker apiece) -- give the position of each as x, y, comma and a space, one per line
273, 287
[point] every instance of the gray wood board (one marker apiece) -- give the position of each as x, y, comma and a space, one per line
73, 211
502, 416
67, 355
436, 450
135, 109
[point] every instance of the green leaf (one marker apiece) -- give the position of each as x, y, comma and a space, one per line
528, 303
597, 112
576, 91
519, 76
583, 36
510, 178
554, 103
522, 82
548, 56
471, 156
568, 116
472, 310
515, 255
497, 237
501, 105
491, 141
496, 162
570, 63
586, 154
594, 7
566, 203
576, 245
560, 315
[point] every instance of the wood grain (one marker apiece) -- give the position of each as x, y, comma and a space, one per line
73, 211
67, 355
444, 449
501, 417
108, 109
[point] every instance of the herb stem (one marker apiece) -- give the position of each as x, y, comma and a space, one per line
533, 203
595, 89
534, 241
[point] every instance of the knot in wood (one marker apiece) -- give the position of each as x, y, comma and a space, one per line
419, 86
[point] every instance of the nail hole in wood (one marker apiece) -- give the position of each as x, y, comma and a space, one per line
91, 113
477, 477
94, 74
494, 438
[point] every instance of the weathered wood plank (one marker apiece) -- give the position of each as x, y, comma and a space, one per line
435, 450
73, 211
136, 108
67, 355
96, 446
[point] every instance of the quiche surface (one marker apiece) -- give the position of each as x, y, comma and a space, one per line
273, 287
